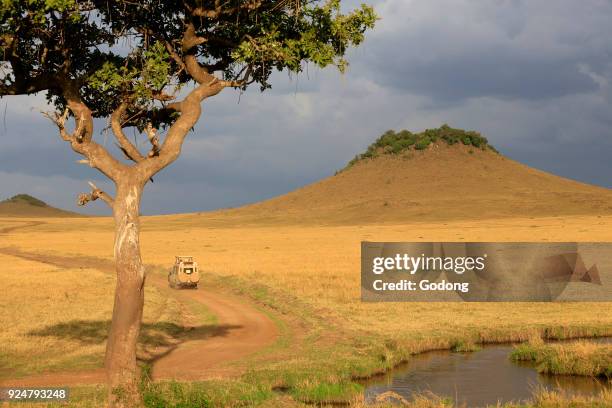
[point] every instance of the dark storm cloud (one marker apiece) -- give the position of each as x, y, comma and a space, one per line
453, 50
532, 76
497, 74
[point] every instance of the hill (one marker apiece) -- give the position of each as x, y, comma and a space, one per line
24, 205
440, 174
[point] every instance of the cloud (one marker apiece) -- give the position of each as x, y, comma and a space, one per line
532, 76
452, 50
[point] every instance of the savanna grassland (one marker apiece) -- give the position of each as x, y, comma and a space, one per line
308, 277
297, 259
319, 265
56, 319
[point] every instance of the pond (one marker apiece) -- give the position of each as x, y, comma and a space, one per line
476, 379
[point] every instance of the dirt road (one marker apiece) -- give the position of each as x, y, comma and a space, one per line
241, 330
20, 225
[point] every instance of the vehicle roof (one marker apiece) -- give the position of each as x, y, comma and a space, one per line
184, 258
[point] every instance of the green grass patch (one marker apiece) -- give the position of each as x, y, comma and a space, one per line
574, 358
326, 393
201, 394
464, 346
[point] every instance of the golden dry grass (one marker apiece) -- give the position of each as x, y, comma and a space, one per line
56, 319
320, 266
542, 398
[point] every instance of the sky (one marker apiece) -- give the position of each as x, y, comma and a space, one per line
532, 76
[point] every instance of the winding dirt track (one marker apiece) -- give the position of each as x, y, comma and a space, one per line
240, 330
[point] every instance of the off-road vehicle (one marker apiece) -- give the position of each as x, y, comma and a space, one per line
184, 273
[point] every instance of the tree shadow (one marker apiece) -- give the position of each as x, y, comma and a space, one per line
155, 341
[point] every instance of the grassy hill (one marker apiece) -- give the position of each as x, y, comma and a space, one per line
440, 174
24, 205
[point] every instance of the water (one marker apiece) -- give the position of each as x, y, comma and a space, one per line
476, 379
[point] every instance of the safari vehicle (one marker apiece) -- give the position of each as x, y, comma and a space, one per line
184, 273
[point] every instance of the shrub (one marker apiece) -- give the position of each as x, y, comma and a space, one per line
395, 143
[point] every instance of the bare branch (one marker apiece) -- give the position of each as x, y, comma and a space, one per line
60, 122
244, 78
95, 155
200, 73
96, 193
125, 153
153, 139
190, 113
155, 116
130, 151
190, 39
32, 85
162, 97
177, 58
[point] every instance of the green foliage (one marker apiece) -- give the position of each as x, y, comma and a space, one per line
214, 393
38, 10
144, 75
392, 142
174, 395
323, 37
125, 51
464, 346
321, 393
524, 352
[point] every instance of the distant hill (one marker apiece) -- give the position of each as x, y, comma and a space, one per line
440, 174
24, 205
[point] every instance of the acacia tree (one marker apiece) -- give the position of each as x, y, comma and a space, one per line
148, 66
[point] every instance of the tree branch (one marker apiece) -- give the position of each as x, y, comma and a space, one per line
154, 116
190, 109
130, 151
32, 85
193, 67
153, 139
221, 9
81, 138
244, 78
60, 122
96, 193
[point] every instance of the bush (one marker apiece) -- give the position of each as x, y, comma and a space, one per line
423, 143
392, 142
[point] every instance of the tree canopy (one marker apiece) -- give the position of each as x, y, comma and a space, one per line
140, 54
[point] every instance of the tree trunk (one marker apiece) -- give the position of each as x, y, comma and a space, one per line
120, 361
